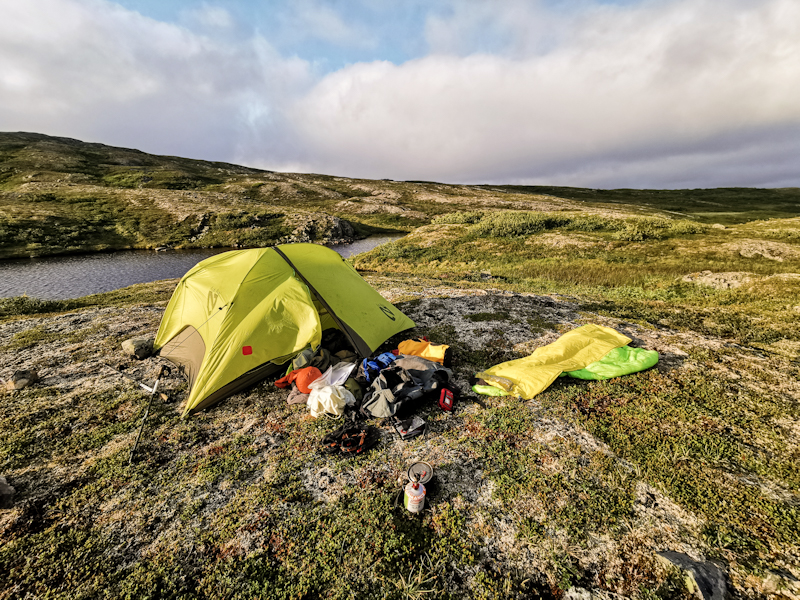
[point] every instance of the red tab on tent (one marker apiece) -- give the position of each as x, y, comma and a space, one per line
247, 350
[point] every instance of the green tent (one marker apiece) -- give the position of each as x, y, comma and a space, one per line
236, 317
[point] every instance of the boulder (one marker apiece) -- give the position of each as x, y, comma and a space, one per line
781, 585
140, 347
321, 227
705, 579
22, 379
6, 493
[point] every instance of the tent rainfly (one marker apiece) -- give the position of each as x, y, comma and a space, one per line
236, 317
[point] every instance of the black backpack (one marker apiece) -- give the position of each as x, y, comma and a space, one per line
398, 389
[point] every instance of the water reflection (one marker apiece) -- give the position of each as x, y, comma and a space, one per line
61, 277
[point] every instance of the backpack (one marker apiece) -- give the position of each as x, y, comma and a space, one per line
399, 388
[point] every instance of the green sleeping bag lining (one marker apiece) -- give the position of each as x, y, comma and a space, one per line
619, 361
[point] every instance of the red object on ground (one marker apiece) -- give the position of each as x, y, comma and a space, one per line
301, 378
446, 400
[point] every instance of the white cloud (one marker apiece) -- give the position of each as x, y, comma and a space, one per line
314, 20
665, 93
655, 81
513, 28
213, 16
93, 70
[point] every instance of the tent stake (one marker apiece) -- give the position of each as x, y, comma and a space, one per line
146, 412
147, 388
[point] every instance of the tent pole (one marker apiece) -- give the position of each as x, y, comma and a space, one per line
146, 413
359, 348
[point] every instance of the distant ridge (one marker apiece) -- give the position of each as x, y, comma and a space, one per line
61, 195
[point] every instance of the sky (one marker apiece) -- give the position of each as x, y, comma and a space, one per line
591, 93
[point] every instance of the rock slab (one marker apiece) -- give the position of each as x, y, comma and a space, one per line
140, 347
6, 493
22, 379
705, 579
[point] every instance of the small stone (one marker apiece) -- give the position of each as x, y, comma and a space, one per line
22, 379
782, 585
577, 593
138, 347
705, 579
6, 493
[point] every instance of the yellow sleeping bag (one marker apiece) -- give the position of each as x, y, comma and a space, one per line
527, 377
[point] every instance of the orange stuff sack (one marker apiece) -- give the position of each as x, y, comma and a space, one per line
301, 378
439, 353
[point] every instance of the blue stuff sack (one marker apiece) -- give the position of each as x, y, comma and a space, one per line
371, 367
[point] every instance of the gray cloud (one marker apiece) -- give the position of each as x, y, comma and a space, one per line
662, 81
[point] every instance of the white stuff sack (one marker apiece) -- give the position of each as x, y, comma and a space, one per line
330, 399
335, 375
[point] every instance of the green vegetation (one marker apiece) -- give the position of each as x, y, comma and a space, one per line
67, 222
578, 487
17, 306
727, 206
358, 545
60, 196
630, 268
703, 441
510, 224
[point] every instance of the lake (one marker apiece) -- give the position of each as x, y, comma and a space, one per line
62, 277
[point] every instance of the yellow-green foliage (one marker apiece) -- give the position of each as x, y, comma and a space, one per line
458, 218
630, 268
524, 223
699, 438
146, 292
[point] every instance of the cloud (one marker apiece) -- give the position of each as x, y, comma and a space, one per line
624, 86
93, 70
515, 28
663, 93
314, 20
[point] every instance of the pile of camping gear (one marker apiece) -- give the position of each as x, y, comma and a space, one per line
301, 314
390, 386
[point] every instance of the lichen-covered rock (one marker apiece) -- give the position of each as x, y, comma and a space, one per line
140, 347
319, 227
6, 493
705, 579
777, 251
720, 281
22, 379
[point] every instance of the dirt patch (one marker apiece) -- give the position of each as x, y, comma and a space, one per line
431, 234
559, 240
778, 251
721, 281
389, 196
371, 206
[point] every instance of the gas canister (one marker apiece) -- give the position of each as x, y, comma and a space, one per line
414, 496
